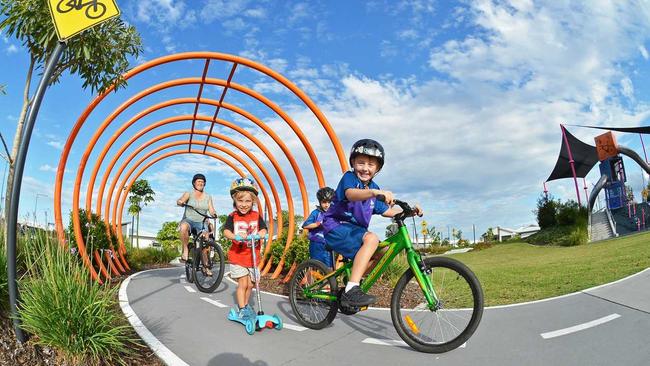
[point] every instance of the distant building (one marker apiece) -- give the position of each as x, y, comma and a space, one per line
504, 233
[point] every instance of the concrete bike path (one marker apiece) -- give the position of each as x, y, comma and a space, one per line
606, 325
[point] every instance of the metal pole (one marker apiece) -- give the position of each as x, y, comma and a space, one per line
12, 213
545, 190
474, 232
643, 145
132, 218
571, 162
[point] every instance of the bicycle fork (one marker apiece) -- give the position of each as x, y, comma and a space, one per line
422, 277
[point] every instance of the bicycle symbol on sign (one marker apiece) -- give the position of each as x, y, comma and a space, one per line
94, 9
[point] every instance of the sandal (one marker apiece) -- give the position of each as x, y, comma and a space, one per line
207, 272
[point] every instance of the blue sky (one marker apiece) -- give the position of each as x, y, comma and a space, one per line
466, 97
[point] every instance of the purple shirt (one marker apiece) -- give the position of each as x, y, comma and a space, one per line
315, 235
354, 212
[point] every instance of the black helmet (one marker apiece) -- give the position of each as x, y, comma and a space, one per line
325, 194
367, 147
197, 177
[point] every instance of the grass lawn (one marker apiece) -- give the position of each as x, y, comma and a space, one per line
517, 272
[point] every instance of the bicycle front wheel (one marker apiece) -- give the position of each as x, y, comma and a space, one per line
456, 317
312, 312
209, 267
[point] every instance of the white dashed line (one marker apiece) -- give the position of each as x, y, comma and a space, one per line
579, 327
214, 302
392, 342
188, 288
297, 328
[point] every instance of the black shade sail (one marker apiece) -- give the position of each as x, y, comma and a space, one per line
642, 129
584, 157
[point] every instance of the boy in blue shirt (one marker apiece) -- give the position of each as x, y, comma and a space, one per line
317, 249
345, 224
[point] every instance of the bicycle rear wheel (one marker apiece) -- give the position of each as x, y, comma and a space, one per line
209, 268
311, 312
459, 310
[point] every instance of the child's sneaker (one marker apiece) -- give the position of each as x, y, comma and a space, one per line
251, 311
357, 298
243, 314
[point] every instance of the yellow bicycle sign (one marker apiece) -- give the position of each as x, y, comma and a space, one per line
73, 16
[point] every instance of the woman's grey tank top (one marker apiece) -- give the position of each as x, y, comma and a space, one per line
200, 205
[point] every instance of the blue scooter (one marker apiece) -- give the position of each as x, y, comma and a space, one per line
261, 321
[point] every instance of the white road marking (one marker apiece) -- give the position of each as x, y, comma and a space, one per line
392, 342
156, 346
188, 288
384, 342
579, 327
214, 302
297, 328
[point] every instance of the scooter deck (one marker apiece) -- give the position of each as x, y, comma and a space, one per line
249, 324
268, 321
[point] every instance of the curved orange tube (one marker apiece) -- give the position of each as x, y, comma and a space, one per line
160, 61
178, 143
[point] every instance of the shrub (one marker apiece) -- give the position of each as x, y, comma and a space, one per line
570, 213
482, 246
435, 249
168, 235
578, 236
546, 212
298, 252
93, 231
395, 269
68, 311
139, 259
277, 248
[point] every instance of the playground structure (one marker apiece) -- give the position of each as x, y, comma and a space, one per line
109, 203
621, 215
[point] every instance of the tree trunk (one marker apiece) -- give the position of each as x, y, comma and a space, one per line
137, 230
18, 136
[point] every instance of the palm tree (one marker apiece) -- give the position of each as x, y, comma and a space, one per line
141, 193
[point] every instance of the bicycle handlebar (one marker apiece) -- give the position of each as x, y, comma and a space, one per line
197, 211
407, 210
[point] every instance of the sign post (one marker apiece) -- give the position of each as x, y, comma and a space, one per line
70, 17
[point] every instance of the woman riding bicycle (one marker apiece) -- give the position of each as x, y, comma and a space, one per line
201, 202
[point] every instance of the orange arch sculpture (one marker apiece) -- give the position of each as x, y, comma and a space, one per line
227, 85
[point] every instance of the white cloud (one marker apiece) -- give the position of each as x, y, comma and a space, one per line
475, 145
644, 52
11, 49
47, 168
56, 144
222, 9
627, 88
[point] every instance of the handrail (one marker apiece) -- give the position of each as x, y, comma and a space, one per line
612, 222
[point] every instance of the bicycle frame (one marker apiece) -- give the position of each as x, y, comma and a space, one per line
395, 244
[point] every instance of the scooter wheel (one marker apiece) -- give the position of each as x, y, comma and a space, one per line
250, 328
278, 326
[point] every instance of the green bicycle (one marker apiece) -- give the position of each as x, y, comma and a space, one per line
436, 305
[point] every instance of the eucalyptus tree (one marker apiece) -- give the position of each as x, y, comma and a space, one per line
99, 56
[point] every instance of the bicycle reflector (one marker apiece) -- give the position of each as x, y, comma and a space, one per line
411, 324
